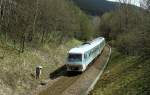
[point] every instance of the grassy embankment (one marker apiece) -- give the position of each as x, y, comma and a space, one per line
17, 70
125, 75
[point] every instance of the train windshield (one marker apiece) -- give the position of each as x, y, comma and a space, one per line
75, 57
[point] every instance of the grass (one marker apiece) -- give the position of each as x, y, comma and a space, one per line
18, 70
125, 75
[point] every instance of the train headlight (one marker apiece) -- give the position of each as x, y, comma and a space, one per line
81, 67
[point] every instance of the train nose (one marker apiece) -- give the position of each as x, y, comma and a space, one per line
74, 67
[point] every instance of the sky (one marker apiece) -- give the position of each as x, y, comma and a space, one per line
134, 2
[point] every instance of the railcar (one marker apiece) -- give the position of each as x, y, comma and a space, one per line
80, 57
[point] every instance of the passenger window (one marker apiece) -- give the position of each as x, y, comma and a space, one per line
85, 56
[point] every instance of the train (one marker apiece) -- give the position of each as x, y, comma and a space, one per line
81, 56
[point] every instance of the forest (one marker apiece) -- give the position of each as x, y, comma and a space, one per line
40, 32
37, 32
37, 22
127, 30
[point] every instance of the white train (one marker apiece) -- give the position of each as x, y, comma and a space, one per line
80, 57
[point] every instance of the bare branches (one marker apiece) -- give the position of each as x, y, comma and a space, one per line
23, 22
145, 4
35, 17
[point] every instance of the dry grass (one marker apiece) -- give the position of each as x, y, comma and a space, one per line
17, 70
125, 75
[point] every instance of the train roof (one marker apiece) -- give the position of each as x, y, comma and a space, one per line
86, 46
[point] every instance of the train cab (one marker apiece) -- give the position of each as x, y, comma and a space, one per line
80, 57
75, 61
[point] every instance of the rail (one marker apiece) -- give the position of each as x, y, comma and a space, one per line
99, 75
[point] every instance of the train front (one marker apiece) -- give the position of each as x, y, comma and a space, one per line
75, 61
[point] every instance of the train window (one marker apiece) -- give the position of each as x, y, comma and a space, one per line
86, 56
75, 57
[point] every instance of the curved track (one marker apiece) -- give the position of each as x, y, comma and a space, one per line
75, 83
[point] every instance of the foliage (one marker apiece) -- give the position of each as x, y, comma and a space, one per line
127, 29
26, 22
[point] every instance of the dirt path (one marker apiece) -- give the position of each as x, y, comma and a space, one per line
75, 83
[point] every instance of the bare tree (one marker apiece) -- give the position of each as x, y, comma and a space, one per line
124, 14
31, 34
145, 4
22, 43
1, 15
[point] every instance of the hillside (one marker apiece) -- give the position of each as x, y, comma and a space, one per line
17, 75
33, 34
127, 31
125, 75
96, 6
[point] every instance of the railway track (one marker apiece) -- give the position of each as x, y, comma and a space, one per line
75, 83
59, 86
